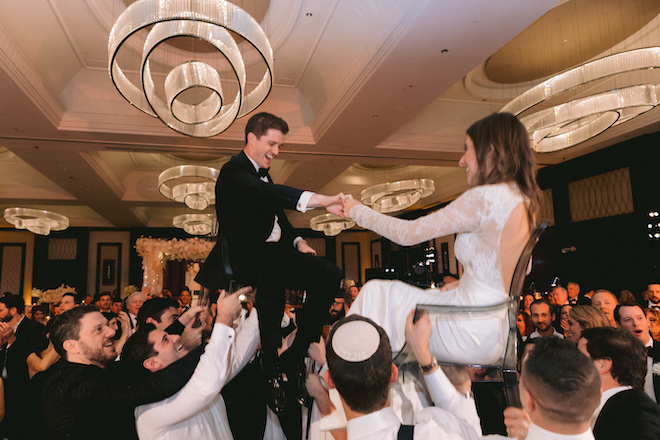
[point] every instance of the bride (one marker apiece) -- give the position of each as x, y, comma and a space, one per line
493, 220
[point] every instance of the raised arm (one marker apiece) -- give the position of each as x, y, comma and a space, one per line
462, 215
442, 391
247, 342
208, 378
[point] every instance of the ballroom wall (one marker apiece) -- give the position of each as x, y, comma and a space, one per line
612, 252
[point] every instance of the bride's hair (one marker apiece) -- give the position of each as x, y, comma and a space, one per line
512, 160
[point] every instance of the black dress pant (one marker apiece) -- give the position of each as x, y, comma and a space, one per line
271, 269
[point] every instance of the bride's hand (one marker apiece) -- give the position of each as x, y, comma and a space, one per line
349, 202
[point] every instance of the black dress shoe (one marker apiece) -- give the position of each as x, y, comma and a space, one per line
276, 393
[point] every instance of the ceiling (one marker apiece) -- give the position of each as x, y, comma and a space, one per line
373, 90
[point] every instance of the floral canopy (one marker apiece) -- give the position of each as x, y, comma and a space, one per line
156, 252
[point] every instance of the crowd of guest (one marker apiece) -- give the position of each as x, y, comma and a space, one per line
162, 366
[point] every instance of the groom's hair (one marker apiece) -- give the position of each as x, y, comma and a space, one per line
260, 123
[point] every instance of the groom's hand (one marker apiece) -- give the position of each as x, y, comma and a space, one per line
305, 248
331, 203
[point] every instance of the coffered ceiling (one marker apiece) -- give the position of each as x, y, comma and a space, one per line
373, 90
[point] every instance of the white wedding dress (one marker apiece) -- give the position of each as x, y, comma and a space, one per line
492, 227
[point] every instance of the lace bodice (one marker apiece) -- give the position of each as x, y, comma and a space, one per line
478, 216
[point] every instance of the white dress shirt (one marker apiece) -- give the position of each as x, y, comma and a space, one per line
648, 380
197, 411
535, 334
445, 395
431, 423
537, 433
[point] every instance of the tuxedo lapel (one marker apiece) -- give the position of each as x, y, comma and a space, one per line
247, 164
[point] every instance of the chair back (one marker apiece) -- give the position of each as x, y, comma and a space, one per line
510, 361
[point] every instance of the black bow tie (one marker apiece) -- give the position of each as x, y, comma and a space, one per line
263, 172
649, 350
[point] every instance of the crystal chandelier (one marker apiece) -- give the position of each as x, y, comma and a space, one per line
35, 220
330, 224
191, 99
568, 124
397, 196
196, 224
193, 185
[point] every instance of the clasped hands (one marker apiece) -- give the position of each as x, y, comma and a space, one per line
339, 204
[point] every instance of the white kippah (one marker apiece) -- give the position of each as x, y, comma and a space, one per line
356, 341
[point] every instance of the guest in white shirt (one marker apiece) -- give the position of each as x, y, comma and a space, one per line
197, 411
361, 370
559, 391
542, 318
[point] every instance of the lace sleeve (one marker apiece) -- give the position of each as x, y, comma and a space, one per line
462, 215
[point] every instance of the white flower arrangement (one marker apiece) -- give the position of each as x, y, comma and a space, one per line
656, 368
190, 249
54, 295
36, 293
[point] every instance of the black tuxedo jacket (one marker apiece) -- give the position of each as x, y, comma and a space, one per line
17, 402
654, 352
628, 415
28, 337
581, 300
246, 206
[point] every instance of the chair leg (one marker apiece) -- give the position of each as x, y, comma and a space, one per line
404, 356
511, 388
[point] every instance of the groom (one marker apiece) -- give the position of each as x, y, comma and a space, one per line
264, 249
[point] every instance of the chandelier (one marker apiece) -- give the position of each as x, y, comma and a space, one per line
190, 100
398, 195
330, 224
196, 224
193, 185
35, 220
570, 123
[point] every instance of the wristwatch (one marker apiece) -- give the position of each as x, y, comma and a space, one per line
429, 367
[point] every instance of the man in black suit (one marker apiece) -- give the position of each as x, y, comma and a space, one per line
22, 337
626, 412
264, 249
653, 290
631, 317
87, 386
574, 296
